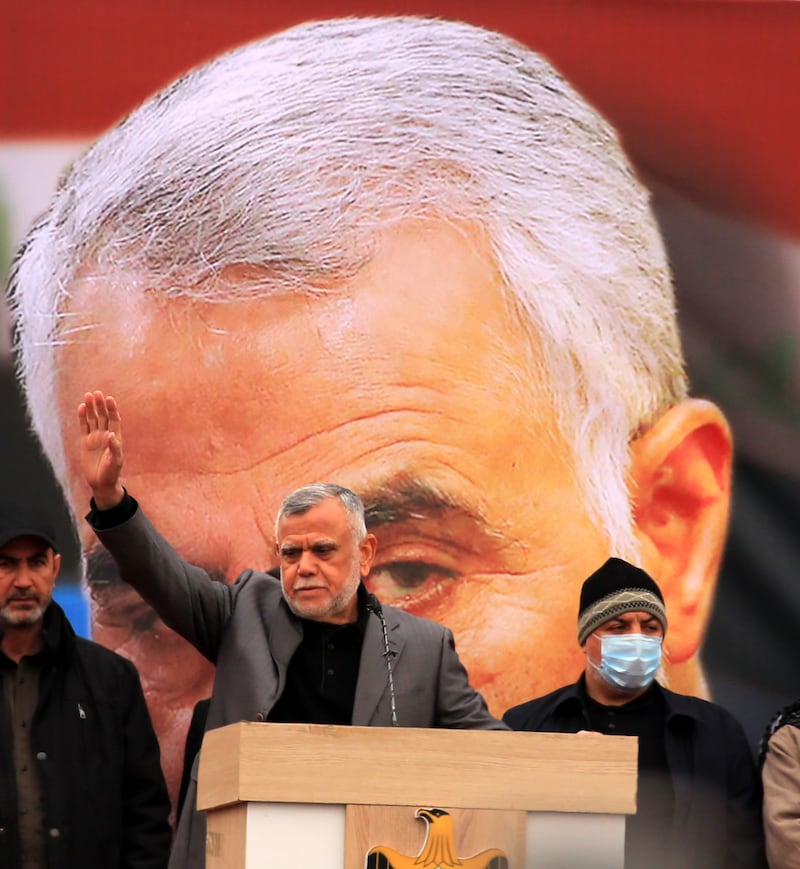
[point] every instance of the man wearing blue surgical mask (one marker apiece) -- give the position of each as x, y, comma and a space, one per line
698, 797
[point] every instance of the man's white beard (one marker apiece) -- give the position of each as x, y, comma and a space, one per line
335, 606
20, 618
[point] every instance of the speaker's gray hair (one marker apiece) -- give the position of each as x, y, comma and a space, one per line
303, 499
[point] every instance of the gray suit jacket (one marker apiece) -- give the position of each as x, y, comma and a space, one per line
247, 630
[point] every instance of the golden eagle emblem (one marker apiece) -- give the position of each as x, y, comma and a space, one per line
438, 850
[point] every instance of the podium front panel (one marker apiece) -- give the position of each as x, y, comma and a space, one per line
322, 836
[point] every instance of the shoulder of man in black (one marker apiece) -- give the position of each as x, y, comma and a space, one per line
560, 711
705, 712
95, 731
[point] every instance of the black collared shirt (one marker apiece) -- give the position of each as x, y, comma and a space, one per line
323, 673
647, 833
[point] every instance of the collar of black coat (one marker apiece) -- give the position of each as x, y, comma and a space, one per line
57, 632
645, 700
679, 706
58, 636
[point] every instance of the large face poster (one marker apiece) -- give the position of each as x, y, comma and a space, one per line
507, 429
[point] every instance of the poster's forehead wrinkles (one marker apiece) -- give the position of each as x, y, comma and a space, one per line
291, 153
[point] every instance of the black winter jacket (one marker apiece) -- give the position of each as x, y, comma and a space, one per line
717, 820
106, 803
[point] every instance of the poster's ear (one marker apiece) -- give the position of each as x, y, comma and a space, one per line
681, 491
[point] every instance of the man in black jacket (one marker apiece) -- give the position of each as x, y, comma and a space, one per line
699, 797
80, 774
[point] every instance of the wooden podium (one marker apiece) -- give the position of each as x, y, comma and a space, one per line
298, 796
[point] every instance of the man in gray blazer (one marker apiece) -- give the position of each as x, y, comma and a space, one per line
313, 646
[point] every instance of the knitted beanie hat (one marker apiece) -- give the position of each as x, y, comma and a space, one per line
615, 588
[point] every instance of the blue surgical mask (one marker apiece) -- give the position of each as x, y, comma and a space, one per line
629, 661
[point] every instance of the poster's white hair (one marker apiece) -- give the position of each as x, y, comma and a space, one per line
289, 153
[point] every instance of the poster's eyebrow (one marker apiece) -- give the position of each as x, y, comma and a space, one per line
403, 497
101, 569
